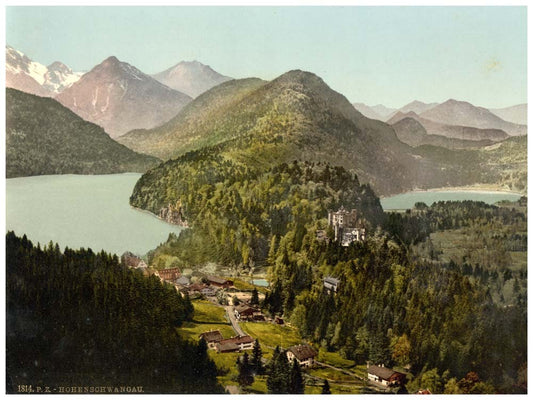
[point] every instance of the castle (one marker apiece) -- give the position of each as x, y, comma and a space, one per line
347, 226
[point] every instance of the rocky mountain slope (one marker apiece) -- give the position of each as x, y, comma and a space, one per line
119, 98
43, 138
190, 77
29, 76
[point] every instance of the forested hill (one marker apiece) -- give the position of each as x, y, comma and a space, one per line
239, 214
44, 138
297, 116
82, 319
294, 116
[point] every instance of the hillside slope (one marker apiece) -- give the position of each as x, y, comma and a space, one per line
295, 116
43, 137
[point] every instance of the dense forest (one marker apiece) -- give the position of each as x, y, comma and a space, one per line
397, 307
76, 318
238, 214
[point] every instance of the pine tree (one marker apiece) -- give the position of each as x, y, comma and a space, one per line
246, 377
257, 355
325, 388
278, 373
255, 297
296, 381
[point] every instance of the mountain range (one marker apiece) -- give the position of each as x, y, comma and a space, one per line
191, 77
29, 76
119, 98
44, 138
115, 95
512, 120
454, 112
435, 131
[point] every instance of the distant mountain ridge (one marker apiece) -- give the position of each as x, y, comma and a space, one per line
464, 133
27, 75
462, 113
516, 114
119, 97
45, 138
417, 107
409, 130
191, 77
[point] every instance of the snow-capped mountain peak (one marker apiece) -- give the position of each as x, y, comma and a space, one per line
27, 75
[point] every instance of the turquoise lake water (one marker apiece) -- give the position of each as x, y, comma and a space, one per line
260, 282
408, 200
83, 211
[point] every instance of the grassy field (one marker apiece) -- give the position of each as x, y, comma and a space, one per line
205, 311
207, 316
272, 335
334, 359
246, 286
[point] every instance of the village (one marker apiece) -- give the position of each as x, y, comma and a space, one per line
229, 318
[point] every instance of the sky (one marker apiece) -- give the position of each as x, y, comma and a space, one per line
375, 55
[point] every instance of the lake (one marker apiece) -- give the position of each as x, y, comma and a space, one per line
408, 200
83, 211
260, 282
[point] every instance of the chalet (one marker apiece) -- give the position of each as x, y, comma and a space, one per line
220, 282
226, 347
169, 274
384, 376
211, 338
303, 353
331, 284
237, 343
244, 312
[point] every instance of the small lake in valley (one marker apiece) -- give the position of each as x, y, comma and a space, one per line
407, 200
260, 282
90, 211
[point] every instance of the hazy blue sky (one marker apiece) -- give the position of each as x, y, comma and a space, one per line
388, 55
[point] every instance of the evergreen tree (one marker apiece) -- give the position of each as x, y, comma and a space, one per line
296, 381
257, 354
325, 388
255, 297
278, 373
246, 377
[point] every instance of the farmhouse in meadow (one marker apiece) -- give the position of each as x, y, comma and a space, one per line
303, 353
237, 343
212, 338
384, 376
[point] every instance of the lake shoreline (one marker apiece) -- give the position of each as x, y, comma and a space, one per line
473, 189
